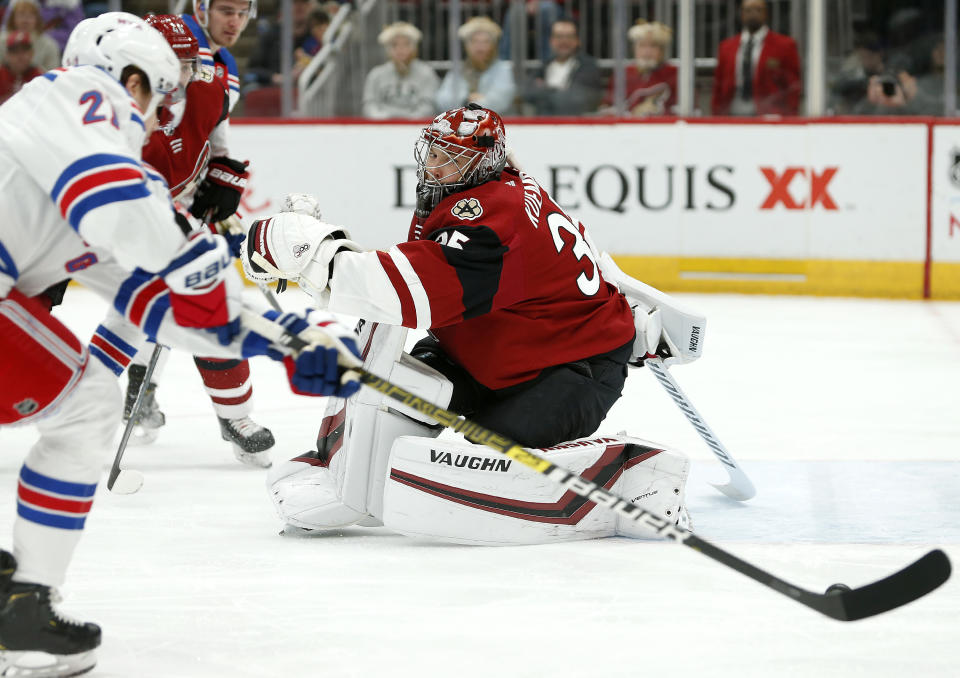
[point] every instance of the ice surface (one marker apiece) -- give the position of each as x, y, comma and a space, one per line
845, 413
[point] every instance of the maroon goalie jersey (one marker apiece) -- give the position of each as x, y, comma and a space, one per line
503, 278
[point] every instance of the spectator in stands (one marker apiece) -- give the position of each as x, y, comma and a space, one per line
24, 15
904, 93
59, 18
758, 71
651, 82
568, 84
318, 22
263, 68
482, 78
539, 17
17, 68
848, 88
404, 86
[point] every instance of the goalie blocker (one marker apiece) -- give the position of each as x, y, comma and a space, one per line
378, 461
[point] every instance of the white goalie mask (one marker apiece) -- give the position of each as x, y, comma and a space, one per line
461, 148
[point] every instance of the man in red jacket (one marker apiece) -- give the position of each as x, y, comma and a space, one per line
758, 71
18, 68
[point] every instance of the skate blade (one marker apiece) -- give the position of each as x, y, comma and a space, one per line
44, 665
254, 459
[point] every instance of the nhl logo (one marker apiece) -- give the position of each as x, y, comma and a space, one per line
467, 208
27, 406
955, 167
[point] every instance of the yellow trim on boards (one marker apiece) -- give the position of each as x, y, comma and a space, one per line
819, 277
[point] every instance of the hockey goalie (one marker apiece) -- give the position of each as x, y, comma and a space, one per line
530, 333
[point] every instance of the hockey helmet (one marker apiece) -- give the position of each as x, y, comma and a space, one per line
144, 47
184, 45
203, 6
82, 43
461, 148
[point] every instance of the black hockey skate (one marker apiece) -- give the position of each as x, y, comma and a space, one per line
251, 441
36, 641
149, 418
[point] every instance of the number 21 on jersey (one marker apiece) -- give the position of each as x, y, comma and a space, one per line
94, 99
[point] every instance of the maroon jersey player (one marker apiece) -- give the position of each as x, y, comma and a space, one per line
520, 319
189, 150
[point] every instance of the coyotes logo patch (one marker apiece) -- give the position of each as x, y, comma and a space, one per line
467, 208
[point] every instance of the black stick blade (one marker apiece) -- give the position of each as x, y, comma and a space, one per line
914, 581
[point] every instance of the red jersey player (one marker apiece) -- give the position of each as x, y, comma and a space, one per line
181, 151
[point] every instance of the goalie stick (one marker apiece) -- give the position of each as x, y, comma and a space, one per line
739, 487
128, 481
901, 587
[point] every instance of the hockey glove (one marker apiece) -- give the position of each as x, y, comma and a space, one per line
204, 288
294, 246
316, 370
218, 195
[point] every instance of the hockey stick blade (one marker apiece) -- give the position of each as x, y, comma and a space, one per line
900, 588
739, 487
134, 479
127, 481
912, 582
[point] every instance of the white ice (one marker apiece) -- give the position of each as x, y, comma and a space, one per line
845, 413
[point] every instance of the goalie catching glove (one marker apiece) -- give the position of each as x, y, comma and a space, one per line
320, 370
295, 246
218, 195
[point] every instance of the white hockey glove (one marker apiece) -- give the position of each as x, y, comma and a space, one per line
665, 328
301, 203
296, 247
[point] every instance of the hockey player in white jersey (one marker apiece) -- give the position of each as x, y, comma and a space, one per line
460, 276
75, 201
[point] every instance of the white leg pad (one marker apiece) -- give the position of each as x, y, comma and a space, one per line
345, 485
460, 492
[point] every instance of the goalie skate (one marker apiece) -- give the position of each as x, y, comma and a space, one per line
149, 419
251, 441
37, 641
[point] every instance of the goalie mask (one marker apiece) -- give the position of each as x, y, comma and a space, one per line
461, 148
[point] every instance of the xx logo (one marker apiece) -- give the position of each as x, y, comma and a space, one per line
780, 188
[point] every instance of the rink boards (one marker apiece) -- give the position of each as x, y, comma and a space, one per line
857, 207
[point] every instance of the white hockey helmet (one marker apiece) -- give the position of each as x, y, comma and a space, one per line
204, 6
144, 47
82, 43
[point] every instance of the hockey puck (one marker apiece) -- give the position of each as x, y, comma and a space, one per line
837, 589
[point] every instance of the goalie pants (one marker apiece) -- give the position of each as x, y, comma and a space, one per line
562, 403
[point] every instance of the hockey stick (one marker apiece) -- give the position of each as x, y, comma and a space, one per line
904, 586
128, 481
270, 296
739, 487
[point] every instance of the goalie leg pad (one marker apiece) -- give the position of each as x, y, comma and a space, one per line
343, 481
465, 493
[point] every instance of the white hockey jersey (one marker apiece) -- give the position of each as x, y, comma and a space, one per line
77, 202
